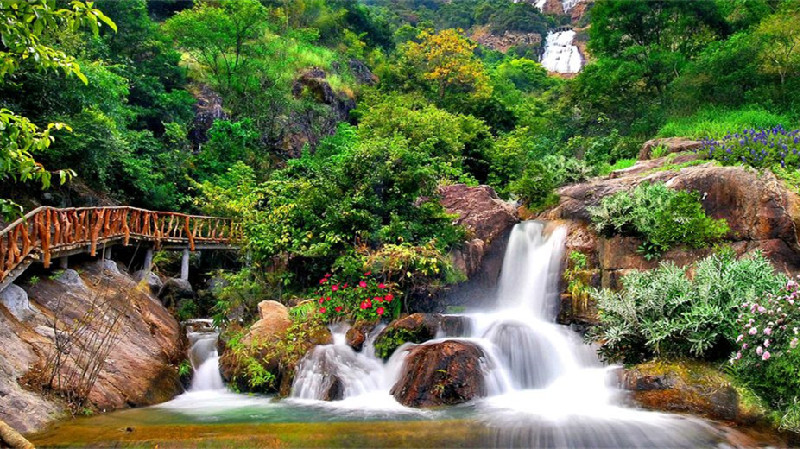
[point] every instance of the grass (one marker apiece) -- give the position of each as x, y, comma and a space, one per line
717, 123
621, 164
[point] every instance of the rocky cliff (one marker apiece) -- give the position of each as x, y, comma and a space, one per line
762, 212
136, 368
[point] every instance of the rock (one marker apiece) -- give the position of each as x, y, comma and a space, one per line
362, 73
505, 42
207, 110
15, 299
445, 373
108, 266
479, 210
71, 278
688, 387
414, 328
174, 290
152, 280
274, 321
455, 326
670, 145
553, 7
358, 333
139, 370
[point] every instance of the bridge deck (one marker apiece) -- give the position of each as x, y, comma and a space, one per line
48, 232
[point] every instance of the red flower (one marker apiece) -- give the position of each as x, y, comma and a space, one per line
378, 299
335, 287
322, 310
338, 309
345, 285
389, 297
363, 305
322, 281
327, 275
381, 285
328, 298
379, 310
362, 284
321, 300
367, 273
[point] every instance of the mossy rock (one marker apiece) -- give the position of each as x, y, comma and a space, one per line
414, 328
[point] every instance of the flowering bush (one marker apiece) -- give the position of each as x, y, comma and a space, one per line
756, 147
767, 356
364, 299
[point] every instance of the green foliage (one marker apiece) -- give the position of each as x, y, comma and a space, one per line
185, 368
535, 187
665, 313
662, 217
621, 164
393, 338
362, 298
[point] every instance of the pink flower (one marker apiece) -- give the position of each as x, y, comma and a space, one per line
761, 309
745, 346
753, 330
768, 330
739, 338
335, 287
759, 350
738, 355
765, 356
389, 297
766, 343
362, 284
381, 285
379, 310
322, 310
793, 343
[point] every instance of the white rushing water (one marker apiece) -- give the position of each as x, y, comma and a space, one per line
560, 55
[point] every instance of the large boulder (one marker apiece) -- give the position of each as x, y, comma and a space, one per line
139, 370
154, 283
445, 373
414, 328
174, 290
273, 322
358, 334
15, 299
488, 220
687, 387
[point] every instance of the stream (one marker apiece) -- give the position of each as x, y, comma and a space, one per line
545, 388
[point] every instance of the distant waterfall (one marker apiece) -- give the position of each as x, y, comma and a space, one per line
560, 55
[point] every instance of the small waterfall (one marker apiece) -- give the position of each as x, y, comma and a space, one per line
560, 55
204, 356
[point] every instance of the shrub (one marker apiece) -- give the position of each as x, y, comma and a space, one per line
716, 123
767, 357
664, 312
364, 299
535, 186
661, 216
756, 147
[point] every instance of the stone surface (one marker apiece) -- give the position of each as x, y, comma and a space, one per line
139, 371
414, 328
505, 41
445, 373
670, 145
274, 321
687, 387
154, 283
15, 299
358, 334
174, 290
207, 110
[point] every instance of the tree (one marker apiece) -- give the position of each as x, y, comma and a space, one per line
447, 61
22, 28
780, 34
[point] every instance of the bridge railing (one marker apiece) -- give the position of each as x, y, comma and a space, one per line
48, 230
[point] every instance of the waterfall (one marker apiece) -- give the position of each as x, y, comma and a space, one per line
204, 356
560, 55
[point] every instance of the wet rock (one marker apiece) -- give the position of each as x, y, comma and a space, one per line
670, 145
207, 110
414, 328
174, 290
686, 387
358, 333
15, 299
455, 326
445, 373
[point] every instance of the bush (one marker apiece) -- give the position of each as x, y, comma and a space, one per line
664, 312
768, 358
661, 216
535, 188
363, 299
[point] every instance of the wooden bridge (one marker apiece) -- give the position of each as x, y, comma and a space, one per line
47, 232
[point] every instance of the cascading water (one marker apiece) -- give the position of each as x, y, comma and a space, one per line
560, 55
204, 356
